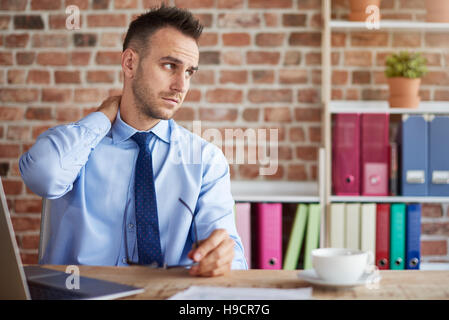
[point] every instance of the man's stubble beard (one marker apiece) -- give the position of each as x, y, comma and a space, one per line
145, 100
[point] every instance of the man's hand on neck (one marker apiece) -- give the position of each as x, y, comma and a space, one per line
110, 107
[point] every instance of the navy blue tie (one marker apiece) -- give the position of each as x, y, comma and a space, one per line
148, 240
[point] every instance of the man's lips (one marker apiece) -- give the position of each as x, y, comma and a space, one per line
171, 99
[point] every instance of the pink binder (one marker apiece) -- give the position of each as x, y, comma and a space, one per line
346, 154
269, 235
374, 154
243, 224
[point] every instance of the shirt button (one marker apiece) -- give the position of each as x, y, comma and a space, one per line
124, 260
130, 226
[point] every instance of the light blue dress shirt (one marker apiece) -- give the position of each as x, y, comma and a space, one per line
87, 169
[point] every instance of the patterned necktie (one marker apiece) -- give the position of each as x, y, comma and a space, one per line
148, 241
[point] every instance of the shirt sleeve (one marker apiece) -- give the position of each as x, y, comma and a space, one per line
215, 205
54, 162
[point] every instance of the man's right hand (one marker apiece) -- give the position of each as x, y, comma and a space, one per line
110, 107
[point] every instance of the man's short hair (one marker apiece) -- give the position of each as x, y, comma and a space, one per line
147, 24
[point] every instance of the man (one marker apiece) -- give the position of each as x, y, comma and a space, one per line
128, 185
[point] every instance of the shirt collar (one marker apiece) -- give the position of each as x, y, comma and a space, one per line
121, 131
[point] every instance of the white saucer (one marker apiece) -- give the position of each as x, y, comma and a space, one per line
311, 276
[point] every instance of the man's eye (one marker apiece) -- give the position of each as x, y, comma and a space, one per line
169, 66
189, 72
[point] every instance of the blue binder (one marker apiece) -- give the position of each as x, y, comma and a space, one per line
412, 238
438, 156
413, 154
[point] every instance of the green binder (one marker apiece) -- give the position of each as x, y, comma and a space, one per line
296, 237
313, 234
397, 236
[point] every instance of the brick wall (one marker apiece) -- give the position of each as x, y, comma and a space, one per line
259, 69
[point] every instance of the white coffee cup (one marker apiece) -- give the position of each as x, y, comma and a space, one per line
340, 265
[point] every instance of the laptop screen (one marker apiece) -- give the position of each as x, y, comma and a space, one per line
12, 277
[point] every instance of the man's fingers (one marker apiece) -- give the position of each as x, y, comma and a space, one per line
209, 244
213, 263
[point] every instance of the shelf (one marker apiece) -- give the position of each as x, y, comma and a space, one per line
275, 191
392, 199
353, 106
390, 25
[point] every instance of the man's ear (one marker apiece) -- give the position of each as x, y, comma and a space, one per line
130, 61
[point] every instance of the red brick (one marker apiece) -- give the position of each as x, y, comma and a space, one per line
6, 59
125, 4
52, 58
68, 114
249, 171
9, 150
438, 78
236, 39
230, 4
32, 22
234, 76
29, 241
100, 76
218, 114
209, 57
309, 4
251, 114
4, 22
238, 20
434, 247
12, 187
358, 58
81, 4
278, 114
407, 39
296, 172
315, 134
56, 95
308, 95
208, 39
232, 58
307, 153
16, 76
38, 77
308, 114
185, 114
11, 113
193, 95
26, 223
27, 205
436, 40
29, 258
80, 58
23, 58
107, 20
262, 57
361, 77
45, 4
264, 4
270, 95
270, 39
18, 133
294, 20
369, 39
67, 77
108, 57
39, 113
19, 95
297, 134
263, 76
305, 39
271, 19
435, 228
224, 96
15, 5
36, 131
17, 40
194, 4
293, 76
204, 77
292, 58
89, 95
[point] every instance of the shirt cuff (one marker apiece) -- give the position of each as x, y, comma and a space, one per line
96, 122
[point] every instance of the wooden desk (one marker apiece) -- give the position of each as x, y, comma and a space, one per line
161, 284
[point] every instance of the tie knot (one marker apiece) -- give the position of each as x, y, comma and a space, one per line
142, 139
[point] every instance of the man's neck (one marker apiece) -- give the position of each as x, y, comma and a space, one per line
131, 115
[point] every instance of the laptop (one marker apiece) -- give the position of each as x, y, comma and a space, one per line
38, 283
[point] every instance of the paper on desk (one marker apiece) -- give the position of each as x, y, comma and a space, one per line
234, 293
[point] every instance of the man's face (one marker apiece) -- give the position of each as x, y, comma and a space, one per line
163, 75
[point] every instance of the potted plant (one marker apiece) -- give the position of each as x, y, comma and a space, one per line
404, 71
358, 9
437, 10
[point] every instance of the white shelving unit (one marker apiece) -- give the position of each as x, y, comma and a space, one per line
331, 107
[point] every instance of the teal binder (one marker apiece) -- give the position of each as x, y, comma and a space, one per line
397, 236
296, 238
313, 234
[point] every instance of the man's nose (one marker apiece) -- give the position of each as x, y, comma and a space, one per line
179, 83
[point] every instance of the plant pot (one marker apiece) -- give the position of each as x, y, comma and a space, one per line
358, 9
437, 10
404, 92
